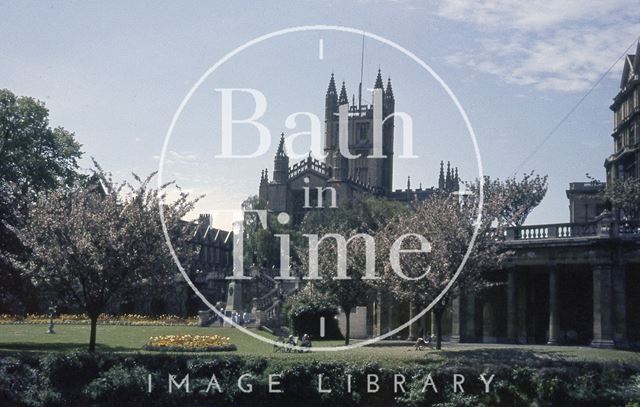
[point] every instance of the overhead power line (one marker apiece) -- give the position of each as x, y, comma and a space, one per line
573, 109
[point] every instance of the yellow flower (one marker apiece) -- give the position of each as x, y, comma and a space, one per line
188, 341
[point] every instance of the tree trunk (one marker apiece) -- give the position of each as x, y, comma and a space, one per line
348, 328
438, 314
92, 337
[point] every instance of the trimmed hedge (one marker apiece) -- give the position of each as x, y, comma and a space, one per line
83, 379
304, 310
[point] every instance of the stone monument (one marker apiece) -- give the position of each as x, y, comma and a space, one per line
234, 298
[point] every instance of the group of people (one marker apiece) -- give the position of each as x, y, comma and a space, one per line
240, 319
291, 343
236, 317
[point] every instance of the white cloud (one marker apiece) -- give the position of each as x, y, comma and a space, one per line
550, 44
531, 15
174, 157
183, 157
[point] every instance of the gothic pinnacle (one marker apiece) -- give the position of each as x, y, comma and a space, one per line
332, 86
389, 91
280, 151
343, 95
379, 84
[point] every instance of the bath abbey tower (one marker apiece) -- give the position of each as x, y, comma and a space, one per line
348, 177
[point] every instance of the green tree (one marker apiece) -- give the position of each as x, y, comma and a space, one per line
12, 286
520, 196
33, 158
448, 223
261, 246
625, 195
361, 216
98, 241
305, 308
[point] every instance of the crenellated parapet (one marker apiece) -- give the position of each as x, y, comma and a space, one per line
309, 164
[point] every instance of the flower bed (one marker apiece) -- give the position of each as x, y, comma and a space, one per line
106, 319
190, 343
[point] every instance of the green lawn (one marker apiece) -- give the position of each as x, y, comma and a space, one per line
111, 338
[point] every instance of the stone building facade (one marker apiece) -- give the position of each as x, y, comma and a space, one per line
624, 162
566, 283
284, 192
576, 282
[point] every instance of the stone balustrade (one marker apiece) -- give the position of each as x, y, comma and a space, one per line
554, 231
603, 227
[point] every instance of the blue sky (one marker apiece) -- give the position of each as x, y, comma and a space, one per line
114, 73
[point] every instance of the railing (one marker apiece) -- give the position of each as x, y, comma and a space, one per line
365, 186
272, 311
273, 318
553, 231
578, 186
263, 302
267, 308
531, 232
264, 278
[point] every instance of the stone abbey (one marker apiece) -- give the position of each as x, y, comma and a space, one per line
284, 192
566, 283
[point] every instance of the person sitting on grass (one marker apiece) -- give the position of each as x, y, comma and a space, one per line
306, 341
422, 342
291, 343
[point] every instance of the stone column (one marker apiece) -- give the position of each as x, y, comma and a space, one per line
470, 318
377, 331
390, 316
619, 304
455, 318
602, 324
488, 322
512, 306
424, 324
432, 322
412, 327
521, 296
554, 321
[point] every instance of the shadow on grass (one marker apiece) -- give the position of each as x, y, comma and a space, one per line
57, 347
507, 358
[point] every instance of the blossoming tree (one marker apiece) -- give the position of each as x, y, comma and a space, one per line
99, 240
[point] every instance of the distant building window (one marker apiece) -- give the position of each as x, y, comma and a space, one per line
586, 212
362, 131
